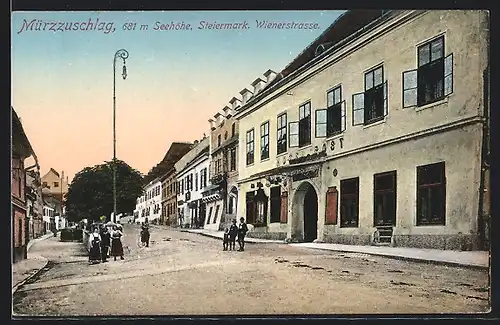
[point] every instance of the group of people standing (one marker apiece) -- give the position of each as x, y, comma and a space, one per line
234, 231
102, 240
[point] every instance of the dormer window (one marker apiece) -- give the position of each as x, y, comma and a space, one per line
219, 140
233, 129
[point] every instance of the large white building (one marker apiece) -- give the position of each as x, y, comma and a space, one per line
148, 206
373, 134
192, 177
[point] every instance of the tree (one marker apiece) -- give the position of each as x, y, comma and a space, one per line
90, 194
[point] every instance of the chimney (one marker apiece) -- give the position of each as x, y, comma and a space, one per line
235, 103
258, 85
228, 112
212, 124
270, 75
218, 118
245, 95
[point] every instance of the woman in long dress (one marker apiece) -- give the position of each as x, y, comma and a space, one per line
95, 249
116, 243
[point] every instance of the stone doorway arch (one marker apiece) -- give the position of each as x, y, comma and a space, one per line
305, 213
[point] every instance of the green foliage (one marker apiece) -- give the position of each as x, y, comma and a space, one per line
90, 194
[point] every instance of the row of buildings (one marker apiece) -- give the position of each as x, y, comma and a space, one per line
376, 133
37, 202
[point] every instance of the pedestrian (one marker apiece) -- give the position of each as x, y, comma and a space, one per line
225, 241
116, 243
94, 244
145, 233
105, 243
233, 232
242, 231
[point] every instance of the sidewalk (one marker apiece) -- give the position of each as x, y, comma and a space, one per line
24, 270
475, 259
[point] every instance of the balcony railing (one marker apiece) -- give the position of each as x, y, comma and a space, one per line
218, 178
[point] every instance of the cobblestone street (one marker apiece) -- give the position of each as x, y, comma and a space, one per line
185, 274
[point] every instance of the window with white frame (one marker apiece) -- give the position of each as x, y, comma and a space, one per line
331, 121
371, 105
250, 146
264, 140
305, 124
433, 79
281, 136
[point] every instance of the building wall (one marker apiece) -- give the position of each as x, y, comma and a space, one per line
396, 49
19, 209
50, 178
361, 151
153, 198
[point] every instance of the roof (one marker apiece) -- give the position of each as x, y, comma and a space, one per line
173, 154
17, 129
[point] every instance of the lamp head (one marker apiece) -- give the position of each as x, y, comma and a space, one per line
124, 73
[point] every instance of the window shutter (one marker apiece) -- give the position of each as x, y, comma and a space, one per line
331, 210
448, 74
284, 208
386, 106
342, 115
410, 86
293, 136
320, 123
358, 109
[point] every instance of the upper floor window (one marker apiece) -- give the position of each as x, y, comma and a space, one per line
196, 181
233, 129
232, 152
44, 184
219, 140
371, 105
300, 132
225, 135
264, 141
56, 184
250, 146
433, 79
331, 121
281, 136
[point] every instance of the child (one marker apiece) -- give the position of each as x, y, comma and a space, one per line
233, 232
225, 242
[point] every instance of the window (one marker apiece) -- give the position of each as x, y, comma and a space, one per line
205, 177
331, 121
232, 153
261, 202
56, 184
264, 141
275, 201
250, 207
385, 199
293, 134
433, 79
219, 140
305, 124
431, 195
233, 129
225, 135
182, 186
371, 105
281, 136
349, 202
250, 147
196, 181
216, 213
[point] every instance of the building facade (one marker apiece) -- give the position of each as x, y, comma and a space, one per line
169, 199
192, 177
56, 183
35, 204
149, 204
21, 150
372, 135
223, 196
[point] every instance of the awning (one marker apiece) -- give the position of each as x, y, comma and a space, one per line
211, 198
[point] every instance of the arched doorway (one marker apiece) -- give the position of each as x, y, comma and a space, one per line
305, 220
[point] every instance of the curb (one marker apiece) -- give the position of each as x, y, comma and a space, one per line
246, 239
407, 258
21, 283
39, 239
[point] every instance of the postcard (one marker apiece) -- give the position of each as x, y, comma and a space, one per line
244, 163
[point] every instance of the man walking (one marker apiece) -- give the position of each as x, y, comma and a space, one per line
105, 243
242, 231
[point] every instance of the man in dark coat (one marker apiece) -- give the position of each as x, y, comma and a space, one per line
242, 231
105, 243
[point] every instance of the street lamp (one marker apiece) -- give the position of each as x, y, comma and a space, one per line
123, 54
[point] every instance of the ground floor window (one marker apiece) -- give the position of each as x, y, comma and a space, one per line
431, 194
216, 213
385, 199
209, 214
250, 208
275, 201
349, 202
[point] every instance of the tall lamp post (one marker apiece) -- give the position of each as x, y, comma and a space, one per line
123, 54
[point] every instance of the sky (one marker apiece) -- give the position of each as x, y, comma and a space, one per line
62, 80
